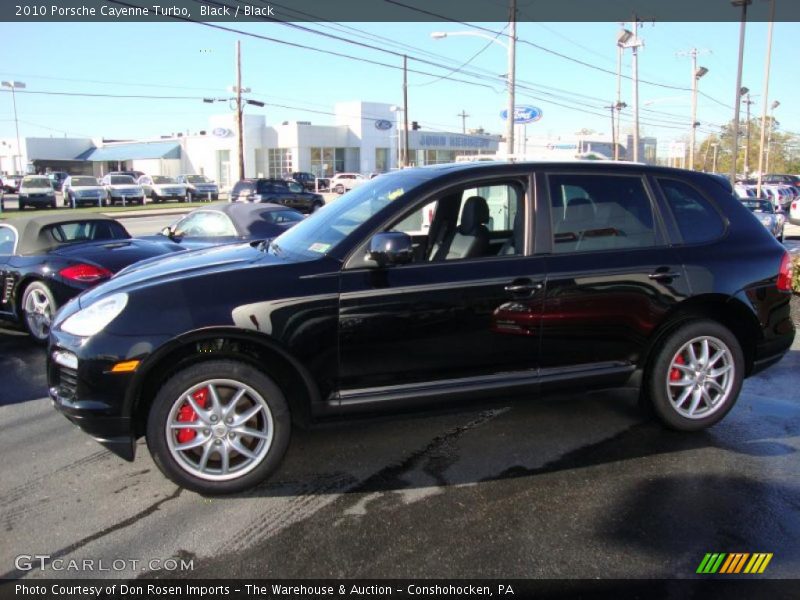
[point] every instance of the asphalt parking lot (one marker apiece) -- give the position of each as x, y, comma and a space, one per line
567, 486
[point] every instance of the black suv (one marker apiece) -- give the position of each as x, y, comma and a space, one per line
423, 286
277, 191
308, 181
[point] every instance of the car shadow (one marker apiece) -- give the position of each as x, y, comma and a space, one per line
22, 364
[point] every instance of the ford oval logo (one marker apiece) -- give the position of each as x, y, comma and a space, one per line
383, 124
523, 114
221, 132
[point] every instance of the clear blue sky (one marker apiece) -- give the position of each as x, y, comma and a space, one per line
184, 59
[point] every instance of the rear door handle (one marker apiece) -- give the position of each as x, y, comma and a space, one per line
521, 286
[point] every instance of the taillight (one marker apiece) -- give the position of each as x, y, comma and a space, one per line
85, 273
785, 273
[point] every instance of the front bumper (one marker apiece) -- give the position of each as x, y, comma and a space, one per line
37, 200
205, 194
89, 394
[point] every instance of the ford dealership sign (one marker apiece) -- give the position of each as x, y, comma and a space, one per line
523, 114
383, 124
221, 132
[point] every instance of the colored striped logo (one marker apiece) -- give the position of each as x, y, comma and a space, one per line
734, 563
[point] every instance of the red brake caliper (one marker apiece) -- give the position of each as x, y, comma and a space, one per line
186, 414
675, 374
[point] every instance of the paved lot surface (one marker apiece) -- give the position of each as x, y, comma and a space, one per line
568, 486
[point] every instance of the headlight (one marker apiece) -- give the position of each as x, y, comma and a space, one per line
95, 317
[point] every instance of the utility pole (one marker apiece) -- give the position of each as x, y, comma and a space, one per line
405, 110
239, 128
766, 97
736, 104
775, 105
613, 107
512, 42
714, 163
705, 156
748, 102
463, 114
697, 73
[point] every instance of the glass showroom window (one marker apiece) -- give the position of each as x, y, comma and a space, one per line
279, 162
381, 160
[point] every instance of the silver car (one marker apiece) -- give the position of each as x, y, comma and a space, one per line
199, 187
83, 189
766, 213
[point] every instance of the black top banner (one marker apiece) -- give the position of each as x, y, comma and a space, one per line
396, 10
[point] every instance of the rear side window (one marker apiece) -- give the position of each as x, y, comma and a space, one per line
84, 231
697, 220
242, 188
600, 212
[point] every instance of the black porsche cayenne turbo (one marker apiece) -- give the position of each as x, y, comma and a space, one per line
424, 286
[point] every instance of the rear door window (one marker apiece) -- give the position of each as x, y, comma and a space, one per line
600, 212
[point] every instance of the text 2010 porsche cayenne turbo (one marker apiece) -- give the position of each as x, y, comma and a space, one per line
423, 286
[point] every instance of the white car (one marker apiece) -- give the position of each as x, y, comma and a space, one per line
160, 188
344, 182
794, 212
199, 187
36, 191
122, 189
83, 189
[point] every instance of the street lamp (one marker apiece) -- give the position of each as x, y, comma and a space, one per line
630, 39
742, 26
15, 85
622, 38
402, 152
698, 73
774, 105
510, 78
767, 62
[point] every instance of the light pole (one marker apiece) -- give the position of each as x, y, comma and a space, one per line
775, 105
402, 152
714, 160
622, 38
767, 61
697, 73
742, 26
511, 81
15, 85
630, 39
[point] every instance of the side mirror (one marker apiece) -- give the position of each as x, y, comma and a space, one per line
391, 248
170, 233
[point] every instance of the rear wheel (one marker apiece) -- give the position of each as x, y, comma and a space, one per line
218, 427
38, 308
339, 189
696, 376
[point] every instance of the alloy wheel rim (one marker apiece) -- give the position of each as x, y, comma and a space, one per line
230, 429
38, 314
700, 377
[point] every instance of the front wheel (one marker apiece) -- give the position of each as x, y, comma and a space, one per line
38, 308
218, 427
695, 376
339, 189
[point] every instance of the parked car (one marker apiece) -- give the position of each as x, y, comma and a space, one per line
781, 195
83, 189
36, 191
309, 181
122, 189
160, 188
276, 191
11, 183
199, 187
46, 260
794, 213
227, 222
344, 182
531, 277
57, 178
767, 215
781, 179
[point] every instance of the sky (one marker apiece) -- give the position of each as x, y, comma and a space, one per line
192, 61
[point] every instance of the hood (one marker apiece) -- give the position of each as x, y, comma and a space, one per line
36, 190
182, 265
87, 188
124, 186
117, 254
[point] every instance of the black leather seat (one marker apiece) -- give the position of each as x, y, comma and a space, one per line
471, 237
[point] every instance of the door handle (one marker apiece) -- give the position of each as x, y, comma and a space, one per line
662, 275
519, 287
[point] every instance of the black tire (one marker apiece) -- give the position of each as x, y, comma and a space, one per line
664, 382
339, 189
171, 398
21, 206
316, 207
37, 321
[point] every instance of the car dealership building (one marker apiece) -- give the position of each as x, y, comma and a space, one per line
364, 138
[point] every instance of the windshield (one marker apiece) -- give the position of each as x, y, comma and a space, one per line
122, 180
83, 181
163, 179
36, 182
197, 179
318, 235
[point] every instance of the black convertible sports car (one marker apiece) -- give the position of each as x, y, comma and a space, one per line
229, 222
46, 260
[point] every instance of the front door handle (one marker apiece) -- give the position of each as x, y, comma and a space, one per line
664, 275
523, 286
